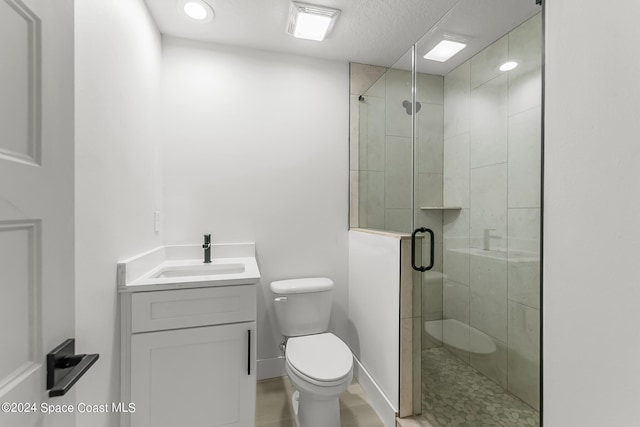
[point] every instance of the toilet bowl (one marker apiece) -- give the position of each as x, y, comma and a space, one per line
318, 363
320, 368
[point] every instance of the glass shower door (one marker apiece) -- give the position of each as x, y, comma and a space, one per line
476, 171
428, 211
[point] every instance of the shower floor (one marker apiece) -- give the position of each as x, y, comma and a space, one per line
455, 394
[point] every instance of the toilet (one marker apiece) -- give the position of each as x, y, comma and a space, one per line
318, 363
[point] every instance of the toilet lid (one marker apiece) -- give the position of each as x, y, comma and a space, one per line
323, 357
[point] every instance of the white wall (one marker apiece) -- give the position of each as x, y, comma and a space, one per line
256, 149
374, 310
118, 180
592, 206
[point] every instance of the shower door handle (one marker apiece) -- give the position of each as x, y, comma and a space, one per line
413, 249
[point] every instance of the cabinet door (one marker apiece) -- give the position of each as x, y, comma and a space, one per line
199, 377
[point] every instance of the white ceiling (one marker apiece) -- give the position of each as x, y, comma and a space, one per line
375, 32
479, 23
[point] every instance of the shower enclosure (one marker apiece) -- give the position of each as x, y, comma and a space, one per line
456, 149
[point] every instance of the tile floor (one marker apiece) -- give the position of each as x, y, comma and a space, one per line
273, 405
455, 394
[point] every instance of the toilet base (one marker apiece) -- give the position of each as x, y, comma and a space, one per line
313, 412
294, 404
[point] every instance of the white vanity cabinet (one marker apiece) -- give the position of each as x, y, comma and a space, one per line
189, 356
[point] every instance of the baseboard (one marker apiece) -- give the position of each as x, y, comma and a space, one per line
270, 368
383, 407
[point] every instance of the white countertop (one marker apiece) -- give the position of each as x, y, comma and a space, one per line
136, 274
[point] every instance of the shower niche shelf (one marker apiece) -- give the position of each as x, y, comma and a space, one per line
440, 208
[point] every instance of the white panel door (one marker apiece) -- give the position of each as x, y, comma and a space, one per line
197, 377
36, 200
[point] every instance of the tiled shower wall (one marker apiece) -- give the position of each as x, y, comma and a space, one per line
384, 156
361, 77
429, 190
492, 170
478, 148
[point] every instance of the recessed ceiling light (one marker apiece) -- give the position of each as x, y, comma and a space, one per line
197, 10
444, 50
509, 65
307, 21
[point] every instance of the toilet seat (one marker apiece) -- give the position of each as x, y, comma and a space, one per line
322, 384
321, 359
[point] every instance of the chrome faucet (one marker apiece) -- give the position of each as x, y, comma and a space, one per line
207, 248
488, 237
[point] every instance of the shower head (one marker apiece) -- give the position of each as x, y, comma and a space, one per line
407, 105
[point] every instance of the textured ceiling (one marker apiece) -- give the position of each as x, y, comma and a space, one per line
479, 23
367, 31
375, 32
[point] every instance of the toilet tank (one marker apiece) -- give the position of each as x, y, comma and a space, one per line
303, 306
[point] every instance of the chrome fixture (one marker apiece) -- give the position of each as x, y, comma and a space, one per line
207, 248
488, 237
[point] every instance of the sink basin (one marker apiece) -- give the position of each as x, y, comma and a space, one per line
182, 266
194, 272
198, 270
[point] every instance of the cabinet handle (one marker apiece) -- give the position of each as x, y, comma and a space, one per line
249, 352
